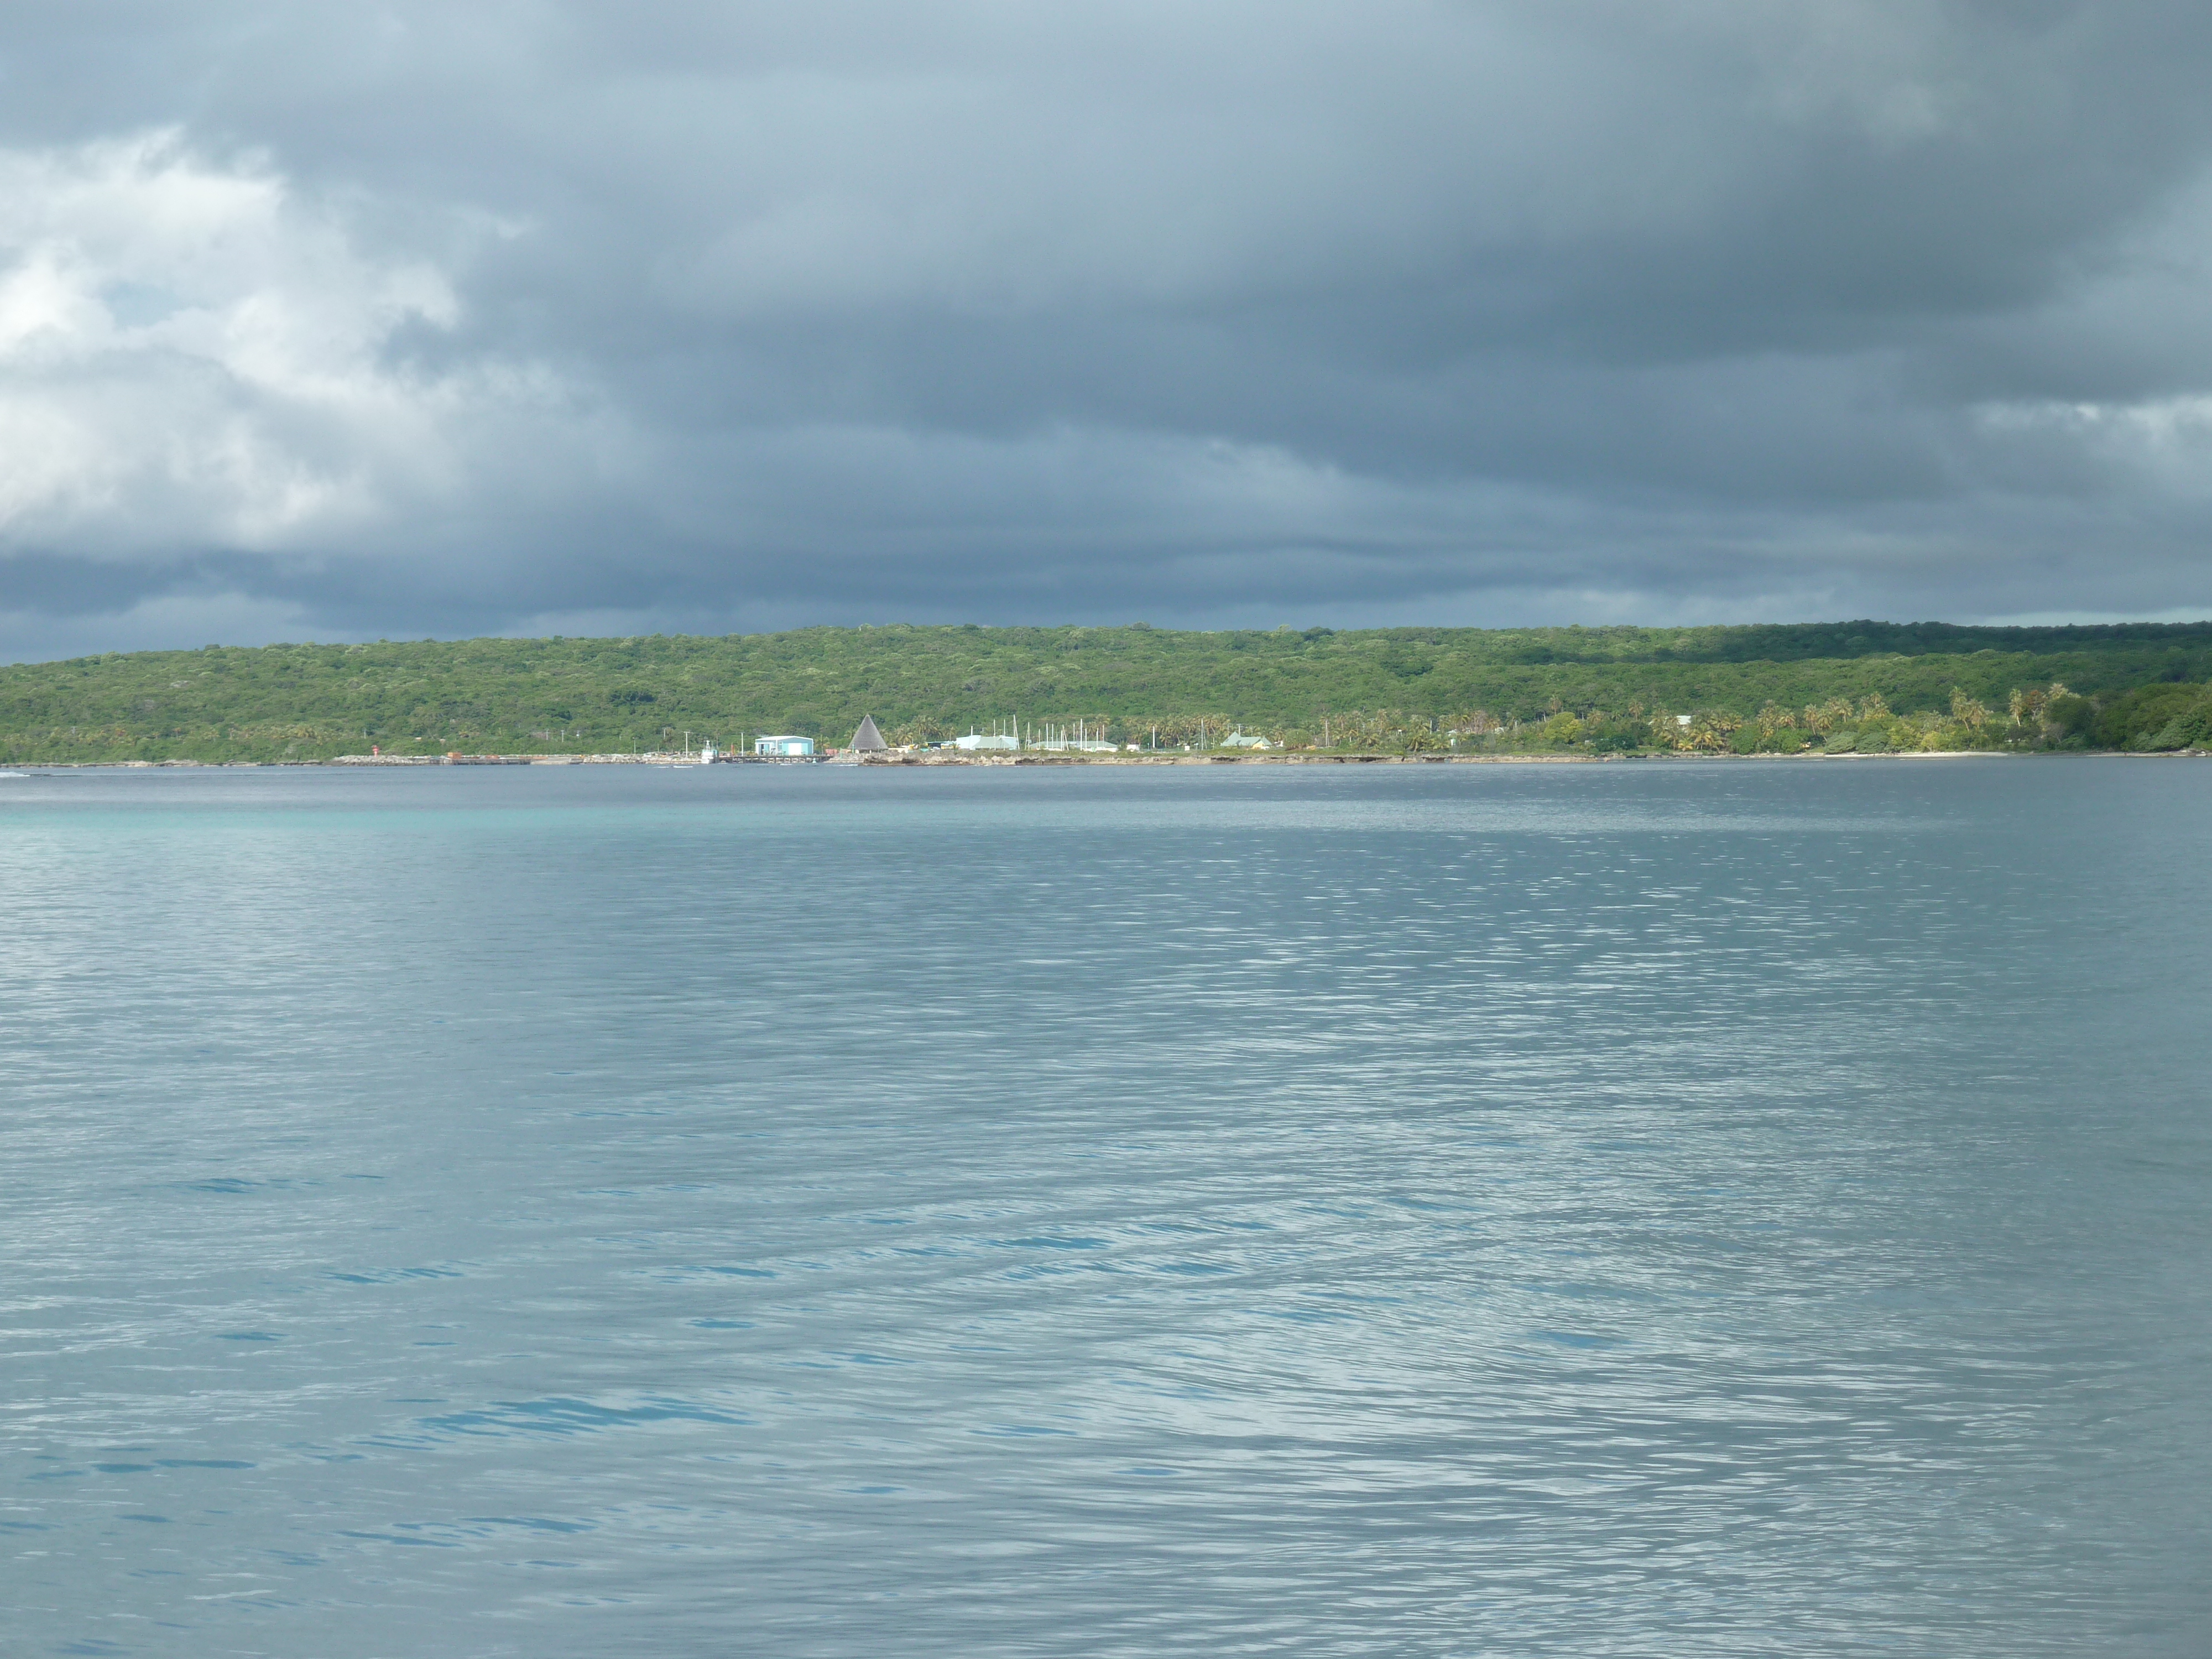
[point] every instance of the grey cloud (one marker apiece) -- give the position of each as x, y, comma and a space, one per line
755, 315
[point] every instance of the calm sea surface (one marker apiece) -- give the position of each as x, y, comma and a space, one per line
1647, 1209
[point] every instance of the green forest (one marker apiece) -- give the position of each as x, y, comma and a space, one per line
1863, 686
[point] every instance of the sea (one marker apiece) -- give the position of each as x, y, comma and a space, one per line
1654, 1208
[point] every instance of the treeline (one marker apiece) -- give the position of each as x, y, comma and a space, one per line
2150, 719
2155, 720
1870, 685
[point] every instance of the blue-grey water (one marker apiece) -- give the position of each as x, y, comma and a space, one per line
1659, 1209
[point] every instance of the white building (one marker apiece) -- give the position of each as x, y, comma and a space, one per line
993, 741
785, 745
1238, 740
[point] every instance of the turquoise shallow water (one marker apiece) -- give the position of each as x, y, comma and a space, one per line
1662, 1209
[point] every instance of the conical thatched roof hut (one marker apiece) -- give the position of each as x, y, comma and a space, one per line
867, 738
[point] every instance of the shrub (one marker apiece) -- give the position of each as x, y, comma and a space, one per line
2190, 729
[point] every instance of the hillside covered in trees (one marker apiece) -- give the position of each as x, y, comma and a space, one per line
1861, 684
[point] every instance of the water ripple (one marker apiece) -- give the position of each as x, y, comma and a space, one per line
1629, 1210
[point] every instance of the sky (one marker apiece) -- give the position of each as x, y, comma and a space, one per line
363, 321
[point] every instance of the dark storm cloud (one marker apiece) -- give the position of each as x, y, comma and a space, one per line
359, 319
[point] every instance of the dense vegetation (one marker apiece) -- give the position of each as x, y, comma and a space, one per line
1863, 685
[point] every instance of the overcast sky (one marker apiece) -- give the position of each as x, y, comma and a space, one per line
346, 320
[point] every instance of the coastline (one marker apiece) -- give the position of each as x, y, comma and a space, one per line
941, 758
